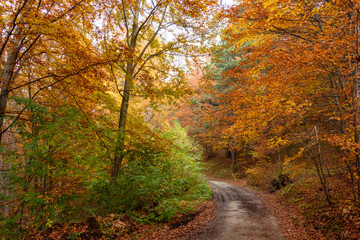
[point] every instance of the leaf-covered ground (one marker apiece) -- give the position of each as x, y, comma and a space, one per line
186, 226
120, 227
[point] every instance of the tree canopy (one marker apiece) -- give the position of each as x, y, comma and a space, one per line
101, 100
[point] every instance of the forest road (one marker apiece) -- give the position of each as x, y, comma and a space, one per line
241, 216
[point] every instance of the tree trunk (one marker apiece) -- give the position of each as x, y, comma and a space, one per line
7, 76
357, 150
233, 159
5, 189
320, 169
130, 67
228, 152
3, 102
120, 145
356, 96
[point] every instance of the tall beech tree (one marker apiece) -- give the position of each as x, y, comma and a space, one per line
155, 34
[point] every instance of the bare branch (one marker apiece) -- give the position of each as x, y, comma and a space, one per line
154, 36
152, 56
69, 10
28, 83
155, 8
13, 27
292, 34
116, 82
29, 47
126, 22
50, 85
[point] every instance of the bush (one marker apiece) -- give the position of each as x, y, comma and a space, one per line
45, 173
155, 183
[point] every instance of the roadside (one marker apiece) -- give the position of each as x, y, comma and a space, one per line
239, 211
120, 227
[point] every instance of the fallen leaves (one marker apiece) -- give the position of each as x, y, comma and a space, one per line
115, 226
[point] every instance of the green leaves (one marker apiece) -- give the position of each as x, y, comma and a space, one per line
157, 182
47, 173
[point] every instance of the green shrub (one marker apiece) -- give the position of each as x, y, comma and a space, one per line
156, 182
46, 172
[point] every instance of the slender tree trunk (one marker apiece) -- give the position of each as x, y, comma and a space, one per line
233, 156
320, 169
120, 145
357, 150
228, 152
352, 177
5, 189
3, 102
356, 124
356, 96
7, 77
338, 104
233, 159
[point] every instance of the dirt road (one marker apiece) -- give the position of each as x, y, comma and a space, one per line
241, 216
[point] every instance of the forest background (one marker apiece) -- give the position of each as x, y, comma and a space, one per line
90, 89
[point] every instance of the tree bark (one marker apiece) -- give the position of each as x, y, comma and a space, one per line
3, 102
6, 80
233, 159
130, 67
228, 152
120, 145
7, 77
356, 96
357, 150
320, 169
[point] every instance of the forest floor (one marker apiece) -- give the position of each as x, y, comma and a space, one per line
235, 212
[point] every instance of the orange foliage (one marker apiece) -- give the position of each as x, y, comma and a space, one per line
297, 69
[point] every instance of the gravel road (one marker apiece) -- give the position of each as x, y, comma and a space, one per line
241, 216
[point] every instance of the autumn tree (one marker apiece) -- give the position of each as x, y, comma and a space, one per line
301, 82
48, 62
157, 35
32, 35
61, 63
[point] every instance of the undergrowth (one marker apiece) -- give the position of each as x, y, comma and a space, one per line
337, 221
155, 185
63, 174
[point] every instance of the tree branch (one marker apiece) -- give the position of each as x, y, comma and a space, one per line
13, 27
